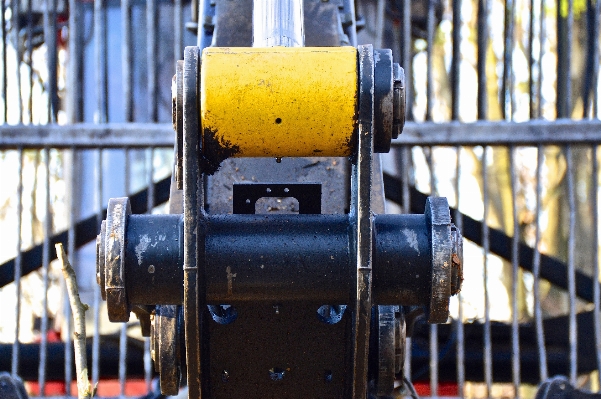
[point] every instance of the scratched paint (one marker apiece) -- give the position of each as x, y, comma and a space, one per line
411, 237
142, 247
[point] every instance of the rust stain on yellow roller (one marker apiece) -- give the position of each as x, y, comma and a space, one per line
278, 102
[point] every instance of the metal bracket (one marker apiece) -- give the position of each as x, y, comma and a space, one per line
308, 196
361, 220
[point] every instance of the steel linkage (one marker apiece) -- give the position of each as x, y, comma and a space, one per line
283, 305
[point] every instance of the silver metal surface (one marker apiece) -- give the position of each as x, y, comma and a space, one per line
18, 259
278, 23
126, 61
597, 288
151, 64
99, 204
485, 252
161, 135
571, 265
538, 314
100, 58
460, 350
515, 333
45, 267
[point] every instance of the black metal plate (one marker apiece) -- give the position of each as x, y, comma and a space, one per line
308, 196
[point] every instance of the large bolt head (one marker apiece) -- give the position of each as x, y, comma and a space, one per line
118, 213
438, 218
399, 100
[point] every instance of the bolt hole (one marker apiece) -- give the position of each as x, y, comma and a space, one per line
225, 376
328, 377
330, 314
277, 374
278, 120
223, 314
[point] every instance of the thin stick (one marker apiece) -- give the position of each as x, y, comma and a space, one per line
84, 388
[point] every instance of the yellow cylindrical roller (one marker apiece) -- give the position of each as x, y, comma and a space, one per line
278, 102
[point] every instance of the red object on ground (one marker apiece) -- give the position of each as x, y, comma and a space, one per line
105, 387
444, 388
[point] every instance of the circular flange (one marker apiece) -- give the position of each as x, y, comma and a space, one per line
100, 259
438, 218
118, 212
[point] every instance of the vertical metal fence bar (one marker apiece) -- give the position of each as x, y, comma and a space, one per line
380, 10
541, 52
123, 330
590, 80
538, 314
74, 75
485, 252
45, 267
150, 207
178, 31
515, 281
151, 41
100, 59
434, 360
406, 163
50, 32
74, 114
564, 58
99, 192
126, 56
568, 56
481, 58
430, 45
596, 290
18, 263
30, 59
15, 9
507, 83
456, 61
4, 63
406, 58
71, 248
460, 333
595, 80
573, 339
433, 327
150, 178
532, 101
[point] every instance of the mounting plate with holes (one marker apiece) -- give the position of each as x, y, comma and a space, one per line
308, 196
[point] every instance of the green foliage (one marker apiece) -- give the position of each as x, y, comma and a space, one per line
579, 6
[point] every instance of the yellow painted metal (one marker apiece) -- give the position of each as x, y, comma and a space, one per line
279, 101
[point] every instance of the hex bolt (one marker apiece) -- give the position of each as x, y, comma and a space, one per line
398, 122
225, 376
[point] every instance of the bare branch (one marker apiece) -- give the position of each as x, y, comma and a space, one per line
84, 388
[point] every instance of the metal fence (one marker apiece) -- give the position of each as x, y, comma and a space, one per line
513, 186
